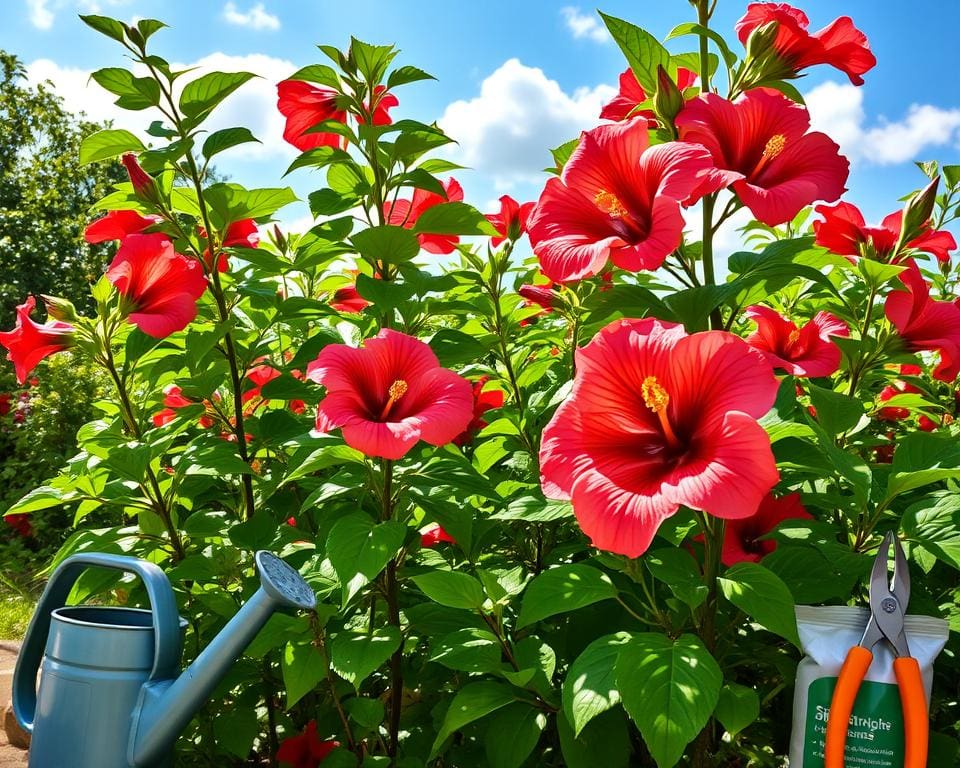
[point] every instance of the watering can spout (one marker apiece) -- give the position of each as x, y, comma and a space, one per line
166, 706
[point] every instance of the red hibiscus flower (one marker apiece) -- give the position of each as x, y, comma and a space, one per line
174, 398
347, 300
839, 44
160, 285
305, 105
5, 403
259, 375
389, 394
805, 351
658, 418
632, 95
617, 199
116, 225
743, 539
20, 524
761, 143
306, 750
384, 101
925, 324
144, 185
404, 213
433, 534
30, 342
892, 412
240, 234
483, 401
844, 231
511, 222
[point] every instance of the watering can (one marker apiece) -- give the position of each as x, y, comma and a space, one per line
111, 693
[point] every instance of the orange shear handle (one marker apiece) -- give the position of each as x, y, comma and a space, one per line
841, 706
916, 725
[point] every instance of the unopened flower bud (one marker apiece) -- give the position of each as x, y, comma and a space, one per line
59, 308
916, 214
540, 295
668, 101
144, 185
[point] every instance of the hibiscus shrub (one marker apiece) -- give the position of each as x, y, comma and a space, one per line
557, 511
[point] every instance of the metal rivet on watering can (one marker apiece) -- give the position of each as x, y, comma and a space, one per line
111, 694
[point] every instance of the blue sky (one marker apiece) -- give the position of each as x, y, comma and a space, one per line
514, 78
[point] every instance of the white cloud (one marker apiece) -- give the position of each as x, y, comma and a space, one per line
256, 18
838, 111
507, 130
42, 13
583, 25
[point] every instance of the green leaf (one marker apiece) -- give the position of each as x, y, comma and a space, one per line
534, 510
467, 650
135, 92
642, 50
677, 568
303, 666
359, 549
951, 174
922, 458
236, 729
43, 497
590, 687
317, 73
670, 689
232, 202
368, 713
105, 26
761, 594
471, 703
393, 245
103, 145
605, 742
563, 589
357, 655
562, 153
934, 522
690, 28
328, 202
737, 707
452, 589
837, 413
218, 141
201, 96
453, 347
453, 219
407, 74
513, 734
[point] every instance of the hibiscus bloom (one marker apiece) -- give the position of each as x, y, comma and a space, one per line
405, 213
348, 300
839, 44
483, 401
385, 101
658, 418
434, 534
389, 394
631, 95
259, 375
304, 106
160, 286
892, 412
173, 398
511, 222
20, 524
925, 324
743, 538
30, 342
239, 234
761, 143
806, 351
307, 750
617, 199
116, 225
844, 231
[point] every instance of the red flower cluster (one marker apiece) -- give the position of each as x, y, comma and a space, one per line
805, 351
405, 213
30, 342
511, 221
631, 95
307, 750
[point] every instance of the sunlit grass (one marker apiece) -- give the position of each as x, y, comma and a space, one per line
15, 613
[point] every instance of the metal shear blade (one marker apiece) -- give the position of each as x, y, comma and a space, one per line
889, 596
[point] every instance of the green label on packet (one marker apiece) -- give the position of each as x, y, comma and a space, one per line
875, 735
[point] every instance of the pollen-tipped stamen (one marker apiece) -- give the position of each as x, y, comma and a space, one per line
774, 146
396, 390
656, 398
610, 204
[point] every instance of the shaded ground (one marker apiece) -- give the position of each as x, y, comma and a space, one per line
10, 757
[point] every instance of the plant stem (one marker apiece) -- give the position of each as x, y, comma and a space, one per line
392, 595
272, 743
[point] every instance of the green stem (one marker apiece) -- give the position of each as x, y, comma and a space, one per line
391, 588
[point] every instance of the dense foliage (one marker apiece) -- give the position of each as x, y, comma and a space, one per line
557, 513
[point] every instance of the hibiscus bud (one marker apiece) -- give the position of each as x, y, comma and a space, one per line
540, 295
668, 101
916, 214
279, 239
59, 308
760, 42
144, 185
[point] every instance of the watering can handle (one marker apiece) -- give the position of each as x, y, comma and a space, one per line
166, 624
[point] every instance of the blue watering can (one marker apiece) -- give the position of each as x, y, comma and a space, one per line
111, 694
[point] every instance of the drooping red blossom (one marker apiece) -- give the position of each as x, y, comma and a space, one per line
483, 401
144, 185
348, 300
511, 221
762, 145
385, 101
618, 199
541, 295
806, 351
405, 213
893, 412
743, 538
239, 234
305, 105
116, 225
925, 324
30, 342
307, 750
658, 418
844, 231
173, 398
20, 524
631, 95
160, 285
433, 534
840, 44
389, 394
926, 424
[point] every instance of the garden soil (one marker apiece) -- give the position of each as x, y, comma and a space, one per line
10, 757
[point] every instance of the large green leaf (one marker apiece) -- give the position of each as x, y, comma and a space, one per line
134, 93
837, 413
224, 139
677, 568
453, 219
670, 689
512, 734
452, 589
467, 650
357, 655
303, 666
393, 245
232, 202
590, 686
471, 703
201, 96
359, 549
934, 523
103, 145
563, 589
761, 594
642, 50
738, 707
922, 458
605, 742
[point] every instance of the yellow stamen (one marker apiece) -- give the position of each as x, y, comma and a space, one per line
656, 398
793, 337
774, 146
397, 390
610, 204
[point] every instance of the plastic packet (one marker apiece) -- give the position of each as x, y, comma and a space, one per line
875, 736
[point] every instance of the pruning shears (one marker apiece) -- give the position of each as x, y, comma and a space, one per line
888, 605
